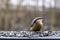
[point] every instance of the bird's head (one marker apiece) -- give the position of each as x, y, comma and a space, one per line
36, 23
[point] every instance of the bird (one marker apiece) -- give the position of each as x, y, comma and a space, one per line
37, 24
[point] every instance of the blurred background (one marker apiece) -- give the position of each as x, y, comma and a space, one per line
18, 14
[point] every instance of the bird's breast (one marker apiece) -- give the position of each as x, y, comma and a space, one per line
36, 27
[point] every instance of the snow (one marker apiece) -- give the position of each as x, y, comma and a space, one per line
29, 35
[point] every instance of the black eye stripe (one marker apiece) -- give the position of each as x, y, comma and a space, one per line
36, 20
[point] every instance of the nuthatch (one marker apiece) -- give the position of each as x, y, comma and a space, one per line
37, 24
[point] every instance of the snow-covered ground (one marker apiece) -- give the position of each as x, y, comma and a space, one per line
29, 35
